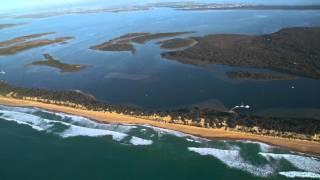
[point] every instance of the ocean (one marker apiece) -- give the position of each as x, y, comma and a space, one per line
38, 144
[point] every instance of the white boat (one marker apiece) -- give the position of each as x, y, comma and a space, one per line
2, 72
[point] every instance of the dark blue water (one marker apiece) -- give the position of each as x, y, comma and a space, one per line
144, 79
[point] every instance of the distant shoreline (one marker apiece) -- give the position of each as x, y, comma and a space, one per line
304, 146
179, 6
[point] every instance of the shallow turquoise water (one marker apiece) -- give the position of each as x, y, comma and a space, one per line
37, 144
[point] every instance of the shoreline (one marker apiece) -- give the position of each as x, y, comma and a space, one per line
304, 146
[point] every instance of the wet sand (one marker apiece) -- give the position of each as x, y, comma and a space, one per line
292, 144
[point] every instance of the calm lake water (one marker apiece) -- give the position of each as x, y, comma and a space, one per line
36, 144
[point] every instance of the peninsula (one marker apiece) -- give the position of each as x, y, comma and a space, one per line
293, 50
209, 123
126, 42
19, 44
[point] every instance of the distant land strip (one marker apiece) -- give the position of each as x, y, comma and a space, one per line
250, 7
182, 6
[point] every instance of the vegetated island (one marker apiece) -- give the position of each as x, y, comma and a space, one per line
63, 67
298, 134
177, 43
258, 76
5, 26
125, 42
23, 39
27, 42
292, 50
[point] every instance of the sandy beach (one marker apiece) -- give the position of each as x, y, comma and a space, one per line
292, 144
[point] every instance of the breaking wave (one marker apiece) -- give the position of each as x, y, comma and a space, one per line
263, 146
67, 126
139, 141
300, 162
82, 121
189, 138
298, 174
233, 159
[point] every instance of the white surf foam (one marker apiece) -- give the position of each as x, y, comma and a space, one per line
35, 122
176, 133
73, 131
263, 146
17, 109
166, 131
139, 141
82, 121
299, 174
300, 162
192, 140
233, 159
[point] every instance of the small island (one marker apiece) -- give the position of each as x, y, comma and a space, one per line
125, 42
19, 44
63, 67
177, 43
259, 76
5, 26
293, 50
